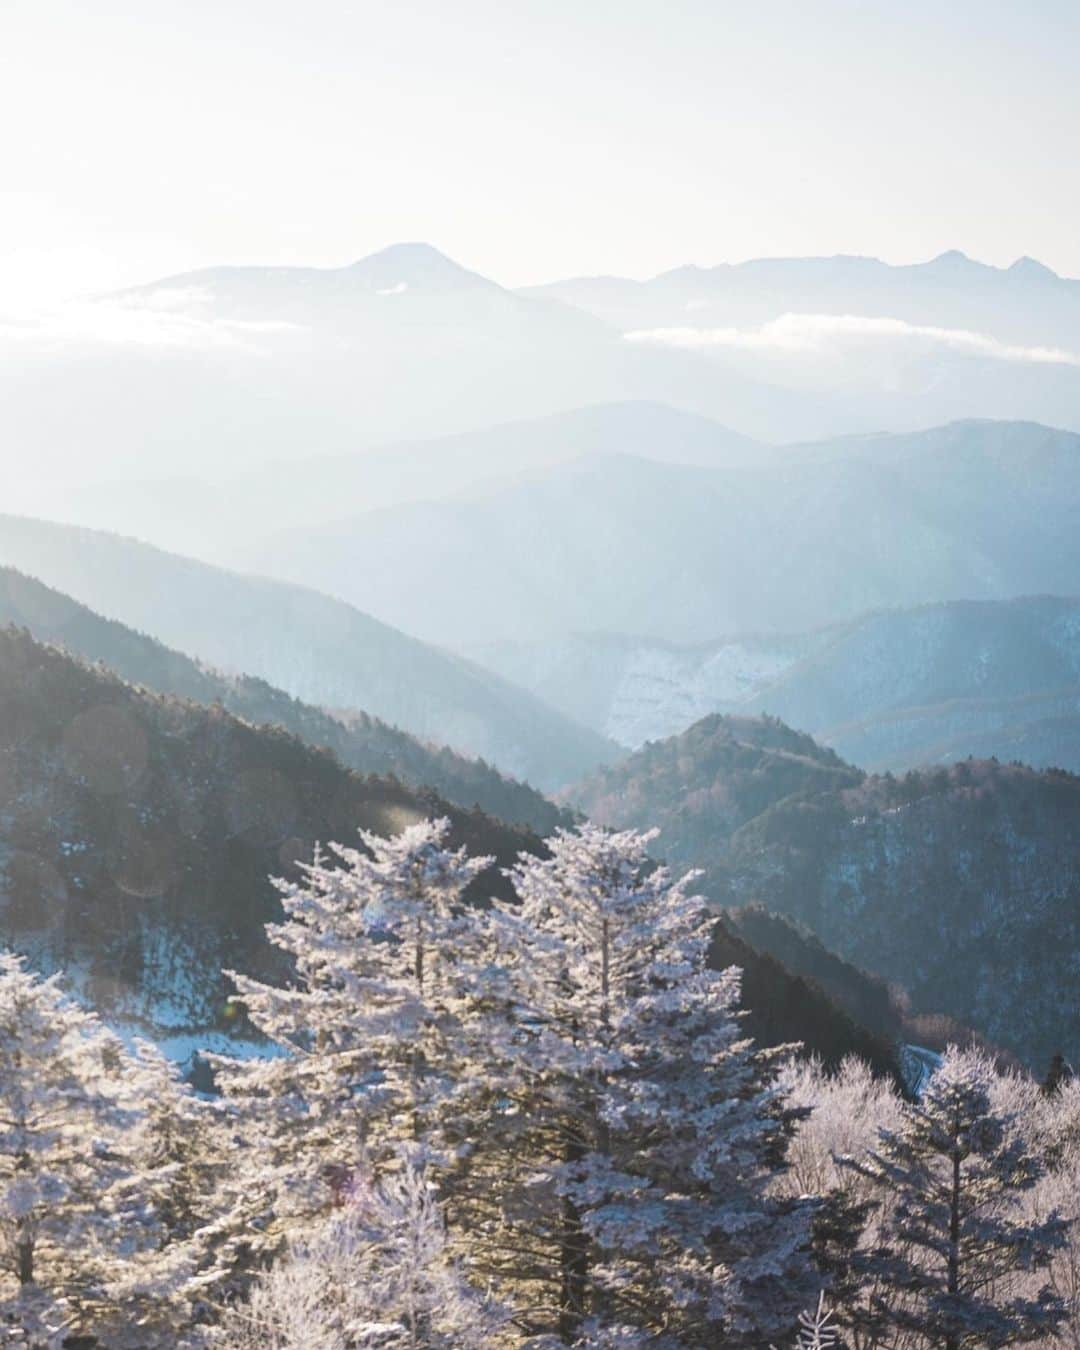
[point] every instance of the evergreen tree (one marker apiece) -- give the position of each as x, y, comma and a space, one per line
956, 1172
1059, 1072
192, 1154
640, 1130
378, 938
377, 1273
82, 1243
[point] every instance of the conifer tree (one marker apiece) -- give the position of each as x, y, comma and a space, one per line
377, 1273
378, 937
82, 1242
956, 1171
640, 1129
1059, 1072
192, 1153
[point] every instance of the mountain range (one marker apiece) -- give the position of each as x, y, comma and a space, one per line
1024, 303
214, 517
891, 690
228, 369
798, 537
302, 548
221, 371
138, 833
311, 646
962, 885
361, 742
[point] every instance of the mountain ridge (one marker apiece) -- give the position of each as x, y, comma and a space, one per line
938, 880
314, 647
891, 689
1023, 267
422, 262
138, 833
288, 493
362, 743
784, 543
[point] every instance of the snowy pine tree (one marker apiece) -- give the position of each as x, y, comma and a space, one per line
192, 1155
639, 1130
816, 1331
367, 1030
956, 1172
82, 1242
378, 1273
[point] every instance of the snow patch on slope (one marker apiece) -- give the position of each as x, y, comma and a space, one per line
662, 690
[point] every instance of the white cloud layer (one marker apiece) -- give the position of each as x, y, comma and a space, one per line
170, 320
820, 334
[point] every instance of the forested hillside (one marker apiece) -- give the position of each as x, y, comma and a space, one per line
138, 833
312, 646
359, 741
963, 885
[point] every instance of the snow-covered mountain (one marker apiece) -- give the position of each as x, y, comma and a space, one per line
891, 690
641, 689
1024, 303
877, 345
221, 371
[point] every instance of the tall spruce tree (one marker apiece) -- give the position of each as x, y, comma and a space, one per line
378, 937
955, 1172
639, 1129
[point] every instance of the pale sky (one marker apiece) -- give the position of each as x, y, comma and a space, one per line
530, 140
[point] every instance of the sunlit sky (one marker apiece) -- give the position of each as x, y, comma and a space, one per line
530, 140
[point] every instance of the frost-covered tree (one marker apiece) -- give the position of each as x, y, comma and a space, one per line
639, 1129
843, 1112
82, 1242
378, 938
377, 1273
958, 1170
1052, 1120
816, 1330
1059, 1193
192, 1154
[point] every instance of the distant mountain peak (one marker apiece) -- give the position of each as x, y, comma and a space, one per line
410, 253
1031, 267
394, 270
954, 259
416, 264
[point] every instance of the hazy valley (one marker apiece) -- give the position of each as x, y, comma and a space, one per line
640, 558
